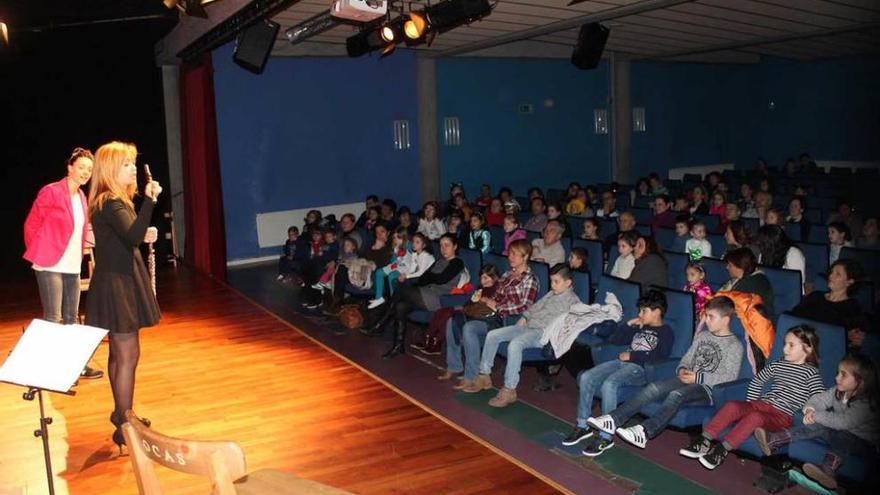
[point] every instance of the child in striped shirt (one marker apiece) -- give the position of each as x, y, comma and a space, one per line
795, 379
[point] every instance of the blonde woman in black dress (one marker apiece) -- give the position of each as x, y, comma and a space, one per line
120, 298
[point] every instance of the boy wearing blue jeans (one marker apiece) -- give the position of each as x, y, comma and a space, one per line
649, 340
714, 357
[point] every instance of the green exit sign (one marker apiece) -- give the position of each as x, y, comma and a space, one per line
526, 108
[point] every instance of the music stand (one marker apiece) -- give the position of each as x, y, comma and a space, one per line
49, 356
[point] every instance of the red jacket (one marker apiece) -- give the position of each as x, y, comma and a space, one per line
49, 225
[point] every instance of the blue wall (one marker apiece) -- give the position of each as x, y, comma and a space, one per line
549, 147
829, 108
695, 114
317, 131
698, 114
311, 131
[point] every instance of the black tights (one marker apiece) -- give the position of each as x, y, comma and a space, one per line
406, 300
125, 350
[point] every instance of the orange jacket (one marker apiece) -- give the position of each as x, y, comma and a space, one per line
758, 328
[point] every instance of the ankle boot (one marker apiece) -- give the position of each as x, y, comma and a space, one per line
397, 346
377, 328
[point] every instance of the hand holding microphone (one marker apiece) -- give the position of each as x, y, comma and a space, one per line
152, 189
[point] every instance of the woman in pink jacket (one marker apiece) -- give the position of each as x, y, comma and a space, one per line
54, 237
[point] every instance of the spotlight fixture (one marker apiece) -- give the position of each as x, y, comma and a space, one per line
4, 34
450, 14
365, 42
415, 26
387, 34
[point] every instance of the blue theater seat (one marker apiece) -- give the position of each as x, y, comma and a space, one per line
497, 240
595, 257
664, 237
676, 263
787, 288
716, 272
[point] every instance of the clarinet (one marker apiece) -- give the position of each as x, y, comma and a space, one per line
151, 251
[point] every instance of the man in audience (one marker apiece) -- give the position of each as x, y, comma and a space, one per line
347, 228
681, 205
388, 211
609, 206
732, 211
663, 215
372, 200
846, 215
807, 163
548, 249
539, 216
763, 202
625, 222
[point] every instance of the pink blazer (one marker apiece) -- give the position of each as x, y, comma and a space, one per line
49, 224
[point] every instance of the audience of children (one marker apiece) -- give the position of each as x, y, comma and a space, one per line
698, 246
829, 416
682, 234
285, 262
430, 225
714, 357
512, 232
577, 260
795, 378
695, 274
839, 237
591, 229
626, 260
525, 334
648, 340
844, 417
479, 237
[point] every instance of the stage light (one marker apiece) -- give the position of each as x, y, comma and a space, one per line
415, 26
387, 34
4, 34
450, 14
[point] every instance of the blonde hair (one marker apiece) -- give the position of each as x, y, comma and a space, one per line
109, 159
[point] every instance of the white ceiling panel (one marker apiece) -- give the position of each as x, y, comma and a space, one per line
727, 31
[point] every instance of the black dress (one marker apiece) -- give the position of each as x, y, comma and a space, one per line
120, 298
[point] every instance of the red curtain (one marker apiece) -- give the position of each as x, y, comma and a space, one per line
205, 234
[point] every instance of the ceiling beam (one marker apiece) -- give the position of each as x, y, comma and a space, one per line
605, 15
226, 19
738, 45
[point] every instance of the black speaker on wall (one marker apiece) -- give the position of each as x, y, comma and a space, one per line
254, 44
591, 42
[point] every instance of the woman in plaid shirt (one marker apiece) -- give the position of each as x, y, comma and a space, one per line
517, 290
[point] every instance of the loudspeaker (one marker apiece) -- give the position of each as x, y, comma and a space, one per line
591, 42
254, 44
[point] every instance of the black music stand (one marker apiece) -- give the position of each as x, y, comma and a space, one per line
49, 356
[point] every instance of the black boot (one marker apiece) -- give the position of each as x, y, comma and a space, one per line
397, 346
378, 328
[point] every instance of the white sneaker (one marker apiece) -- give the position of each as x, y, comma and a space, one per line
279, 278
375, 303
317, 286
603, 423
634, 435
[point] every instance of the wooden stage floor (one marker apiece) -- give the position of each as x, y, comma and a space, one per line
218, 367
